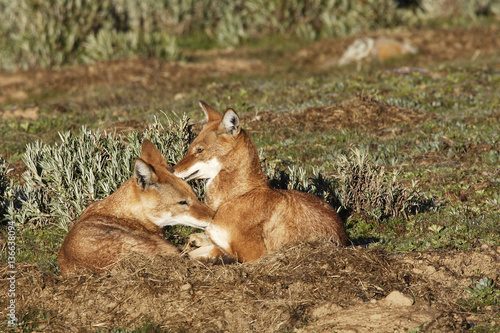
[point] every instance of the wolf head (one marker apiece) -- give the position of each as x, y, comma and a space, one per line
210, 149
164, 198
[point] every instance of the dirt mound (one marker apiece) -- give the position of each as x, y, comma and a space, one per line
360, 112
309, 286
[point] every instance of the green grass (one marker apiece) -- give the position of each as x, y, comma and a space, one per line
483, 293
40, 246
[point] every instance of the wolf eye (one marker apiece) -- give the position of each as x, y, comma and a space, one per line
183, 202
199, 150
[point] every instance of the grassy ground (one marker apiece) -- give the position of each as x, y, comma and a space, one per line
434, 117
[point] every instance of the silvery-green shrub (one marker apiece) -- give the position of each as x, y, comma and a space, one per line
62, 179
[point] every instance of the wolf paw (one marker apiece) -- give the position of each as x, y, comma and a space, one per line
199, 240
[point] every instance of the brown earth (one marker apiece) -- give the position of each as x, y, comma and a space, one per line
307, 288
360, 112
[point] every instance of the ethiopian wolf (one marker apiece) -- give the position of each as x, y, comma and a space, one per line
132, 218
251, 217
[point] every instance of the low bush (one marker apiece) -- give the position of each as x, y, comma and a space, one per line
52, 33
62, 179
359, 186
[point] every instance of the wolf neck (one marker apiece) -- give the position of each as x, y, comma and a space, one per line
240, 174
120, 207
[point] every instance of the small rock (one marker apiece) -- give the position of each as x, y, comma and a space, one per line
398, 299
186, 287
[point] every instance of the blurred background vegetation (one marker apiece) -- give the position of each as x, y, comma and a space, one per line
38, 33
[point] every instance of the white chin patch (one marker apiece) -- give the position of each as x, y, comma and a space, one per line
201, 170
167, 219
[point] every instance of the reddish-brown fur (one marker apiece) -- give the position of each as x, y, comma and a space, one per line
251, 218
387, 49
131, 220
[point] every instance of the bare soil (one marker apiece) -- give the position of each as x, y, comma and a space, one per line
306, 288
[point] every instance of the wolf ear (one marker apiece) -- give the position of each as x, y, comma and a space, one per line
230, 122
150, 154
210, 114
144, 173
